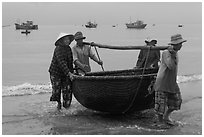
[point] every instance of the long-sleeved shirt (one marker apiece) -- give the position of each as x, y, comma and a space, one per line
62, 61
82, 54
167, 74
153, 58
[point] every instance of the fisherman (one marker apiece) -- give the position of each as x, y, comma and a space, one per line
151, 57
61, 70
81, 54
167, 92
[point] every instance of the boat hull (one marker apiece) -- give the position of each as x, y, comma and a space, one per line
91, 26
114, 92
26, 27
136, 26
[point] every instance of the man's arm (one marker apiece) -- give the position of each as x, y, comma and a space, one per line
168, 59
93, 57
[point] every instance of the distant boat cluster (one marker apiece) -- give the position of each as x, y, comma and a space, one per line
28, 25
139, 24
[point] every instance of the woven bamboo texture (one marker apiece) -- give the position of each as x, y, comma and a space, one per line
120, 91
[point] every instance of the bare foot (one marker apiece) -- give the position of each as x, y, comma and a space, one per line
170, 122
66, 104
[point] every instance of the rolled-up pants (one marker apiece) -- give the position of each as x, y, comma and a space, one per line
60, 85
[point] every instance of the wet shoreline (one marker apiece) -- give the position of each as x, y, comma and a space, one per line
34, 115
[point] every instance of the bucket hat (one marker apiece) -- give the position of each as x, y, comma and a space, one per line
176, 39
79, 35
147, 41
62, 35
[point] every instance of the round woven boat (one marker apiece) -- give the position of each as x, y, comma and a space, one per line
120, 91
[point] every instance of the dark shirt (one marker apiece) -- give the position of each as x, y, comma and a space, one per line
62, 61
153, 58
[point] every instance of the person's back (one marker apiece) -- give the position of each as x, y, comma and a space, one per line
151, 58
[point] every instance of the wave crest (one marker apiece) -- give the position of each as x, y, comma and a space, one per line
30, 89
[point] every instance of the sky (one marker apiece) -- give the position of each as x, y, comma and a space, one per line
78, 13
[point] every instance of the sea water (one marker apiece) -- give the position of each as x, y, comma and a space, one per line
26, 59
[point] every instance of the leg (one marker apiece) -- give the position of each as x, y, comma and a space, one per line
174, 103
167, 115
56, 90
160, 104
67, 93
167, 118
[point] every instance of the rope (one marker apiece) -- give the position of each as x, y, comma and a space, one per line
98, 57
139, 82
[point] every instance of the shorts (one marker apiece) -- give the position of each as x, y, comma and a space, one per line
165, 99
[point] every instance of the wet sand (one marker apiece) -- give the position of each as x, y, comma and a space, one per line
35, 115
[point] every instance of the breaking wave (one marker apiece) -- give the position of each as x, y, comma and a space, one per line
31, 89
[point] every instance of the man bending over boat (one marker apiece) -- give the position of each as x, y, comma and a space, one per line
81, 54
167, 92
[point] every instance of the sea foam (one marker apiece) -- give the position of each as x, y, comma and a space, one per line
31, 89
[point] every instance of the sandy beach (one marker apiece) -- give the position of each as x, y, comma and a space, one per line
35, 115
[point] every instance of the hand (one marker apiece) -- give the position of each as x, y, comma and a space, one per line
91, 44
136, 67
152, 66
71, 76
86, 68
159, 63
171, 50
100, 62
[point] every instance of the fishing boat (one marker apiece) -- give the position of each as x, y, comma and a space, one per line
138, 24
117, 92
91, 25
28, 25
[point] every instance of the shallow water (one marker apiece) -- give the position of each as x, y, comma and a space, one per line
39, 116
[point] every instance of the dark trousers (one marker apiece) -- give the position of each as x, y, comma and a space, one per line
60, 85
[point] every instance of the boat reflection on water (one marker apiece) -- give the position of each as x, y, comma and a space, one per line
25, 32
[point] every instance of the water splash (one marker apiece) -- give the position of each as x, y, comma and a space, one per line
26, 89
188, 78
31, 89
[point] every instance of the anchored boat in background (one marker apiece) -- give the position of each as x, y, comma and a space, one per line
138, 24
91, 24
180, 25
28, 25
